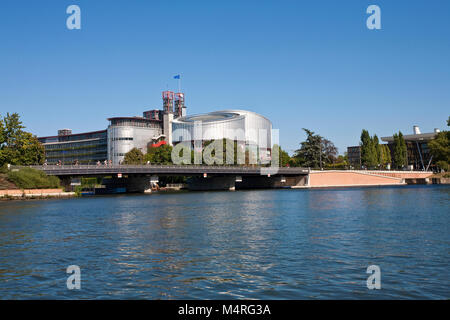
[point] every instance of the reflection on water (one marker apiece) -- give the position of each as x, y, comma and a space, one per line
268, 244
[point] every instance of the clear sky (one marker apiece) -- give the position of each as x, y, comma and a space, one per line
311, 64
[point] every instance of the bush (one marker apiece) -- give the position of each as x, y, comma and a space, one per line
28, 178
443, 165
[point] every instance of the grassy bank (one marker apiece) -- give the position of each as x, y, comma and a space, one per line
28, 178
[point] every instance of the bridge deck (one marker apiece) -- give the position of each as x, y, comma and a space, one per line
77, 170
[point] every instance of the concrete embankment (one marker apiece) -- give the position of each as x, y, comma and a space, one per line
34, 193
359, 178
441, 180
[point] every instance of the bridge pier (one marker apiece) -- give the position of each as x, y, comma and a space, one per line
141, 184
66, 183
212, 183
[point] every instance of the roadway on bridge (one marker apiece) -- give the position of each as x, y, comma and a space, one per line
85, 170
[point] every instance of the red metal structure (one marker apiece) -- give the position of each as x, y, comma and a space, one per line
158, 144
179, 104
168, 97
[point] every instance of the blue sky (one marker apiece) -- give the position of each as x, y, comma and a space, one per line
311, 64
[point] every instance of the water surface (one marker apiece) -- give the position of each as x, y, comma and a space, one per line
269, 244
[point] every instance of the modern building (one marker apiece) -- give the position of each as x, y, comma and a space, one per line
354, 156
237, 125
67, 148
418, 153
170, 126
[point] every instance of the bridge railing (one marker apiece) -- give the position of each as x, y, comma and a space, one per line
118, 166
57, 169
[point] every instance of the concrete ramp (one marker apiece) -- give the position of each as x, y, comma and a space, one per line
336, 178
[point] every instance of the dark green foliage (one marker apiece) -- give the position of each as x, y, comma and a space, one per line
440, 149
134, 156
159, 155
369, 153
400, 157
284, 158
386, 155
28, 178
18, 147
373, 154
341, 162
315, 152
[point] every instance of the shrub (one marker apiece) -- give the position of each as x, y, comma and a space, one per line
443, 165
28, 178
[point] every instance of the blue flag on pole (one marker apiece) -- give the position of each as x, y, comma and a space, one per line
177, 76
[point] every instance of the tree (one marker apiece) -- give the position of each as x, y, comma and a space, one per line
134, 156
329, 151
378, 150
369, 157
2, 133
440, 148
284, 158
18, 147
400, 158
315, 152
159, 155
386, 152
341, 162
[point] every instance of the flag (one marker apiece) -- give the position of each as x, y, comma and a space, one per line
177, 76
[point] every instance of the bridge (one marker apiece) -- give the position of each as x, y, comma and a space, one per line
139, 178
186, 170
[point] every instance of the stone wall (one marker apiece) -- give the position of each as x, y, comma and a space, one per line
35, 193
350, 178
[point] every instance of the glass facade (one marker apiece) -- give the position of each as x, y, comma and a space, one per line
83, 148
125, 134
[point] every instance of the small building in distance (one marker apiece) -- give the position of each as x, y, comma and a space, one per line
418, 153
354, 156
68, 148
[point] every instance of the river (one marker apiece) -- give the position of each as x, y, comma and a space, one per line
262, 244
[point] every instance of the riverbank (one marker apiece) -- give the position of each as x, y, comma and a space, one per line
16, 194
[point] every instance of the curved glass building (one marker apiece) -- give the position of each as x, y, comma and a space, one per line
238, 125
126, 133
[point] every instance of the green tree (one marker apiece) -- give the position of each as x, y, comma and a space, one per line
386, 155
440, 148
315, 152
134, 156
400, 157
341, 162
18, 147
159, 155
2, 132
284, 158
369, 156
378, 150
